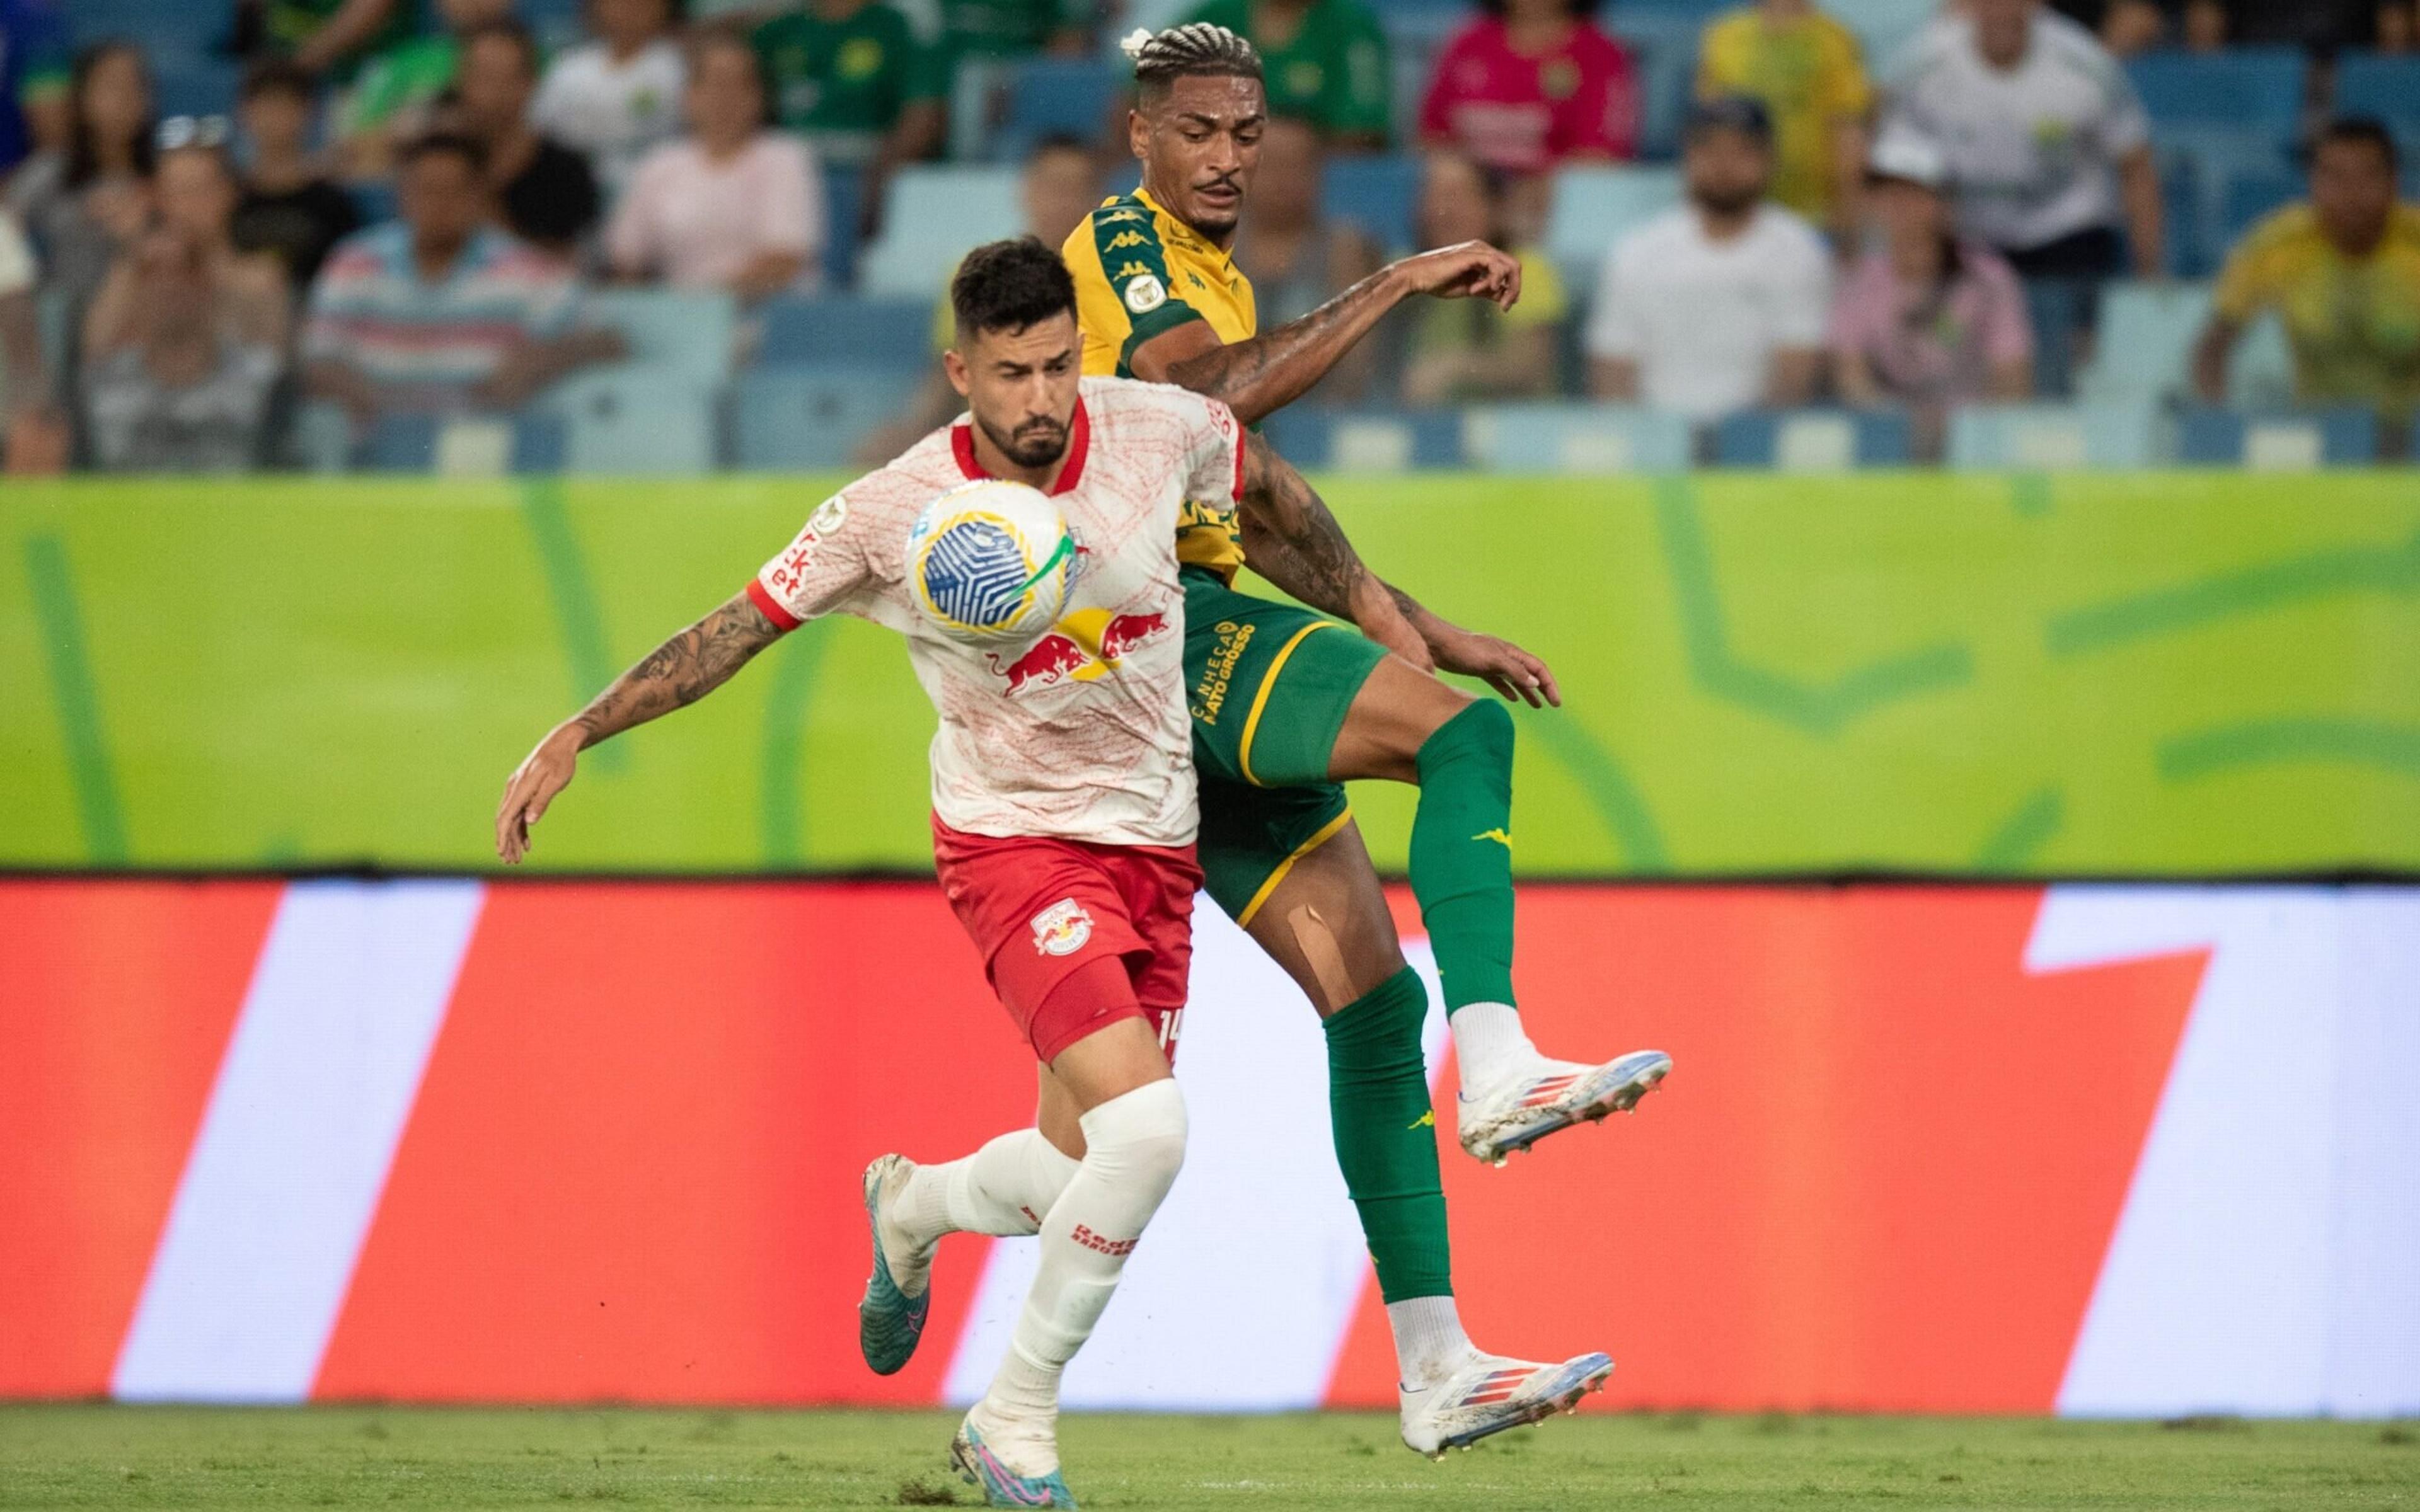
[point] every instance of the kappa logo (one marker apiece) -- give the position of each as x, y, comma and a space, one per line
1062, 928
1145, 293
1499, 836
1115, 216
1426, 1121
1125, 239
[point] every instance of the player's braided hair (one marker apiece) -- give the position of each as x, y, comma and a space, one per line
1196, 49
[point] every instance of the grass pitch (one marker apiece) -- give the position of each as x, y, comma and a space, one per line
118, 1456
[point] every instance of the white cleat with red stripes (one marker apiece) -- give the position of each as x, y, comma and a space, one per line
1491, 1394
1549, 1096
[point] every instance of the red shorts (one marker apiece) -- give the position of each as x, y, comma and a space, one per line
1039, 909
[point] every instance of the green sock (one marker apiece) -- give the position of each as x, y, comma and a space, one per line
1386, 1136
1462, 852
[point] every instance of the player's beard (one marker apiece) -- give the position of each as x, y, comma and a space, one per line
1037, 444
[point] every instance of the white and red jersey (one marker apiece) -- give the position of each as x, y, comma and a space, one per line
1083, 736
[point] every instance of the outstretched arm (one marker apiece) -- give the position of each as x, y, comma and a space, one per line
681, 672
1276, 367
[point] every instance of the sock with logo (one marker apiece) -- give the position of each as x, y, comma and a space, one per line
1135, 1144
1386, 1135
1003, 1188
1462, 854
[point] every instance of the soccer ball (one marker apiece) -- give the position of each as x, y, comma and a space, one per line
991, 561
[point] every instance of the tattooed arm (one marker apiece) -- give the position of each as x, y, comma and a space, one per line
1273, 369
677, 674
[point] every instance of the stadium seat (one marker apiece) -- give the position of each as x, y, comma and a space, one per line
2052, 437
833, 331
2055, 310
466, 446
686, 334
635, 421
1379, 194
1883, 26
1813, 440
796, 419
1663, 58
2144, 351
935, 213
1378, 440
1575, 437
376, 201
1596, 206
2387, 85
191, 83
2250, 197
2254, 91
843, 186
2277, 441
1052, 97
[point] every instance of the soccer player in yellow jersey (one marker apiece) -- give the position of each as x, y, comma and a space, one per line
1288, 705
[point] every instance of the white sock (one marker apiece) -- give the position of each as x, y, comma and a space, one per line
1003, 1188
1429, 1340
1135, 1144
1489, 1043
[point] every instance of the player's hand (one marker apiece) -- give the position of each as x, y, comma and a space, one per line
1465, 270
1503, 666
545, 772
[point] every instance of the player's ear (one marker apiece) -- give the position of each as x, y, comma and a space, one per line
953, 363
1139, 133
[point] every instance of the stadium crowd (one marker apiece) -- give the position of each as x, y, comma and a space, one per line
360, 212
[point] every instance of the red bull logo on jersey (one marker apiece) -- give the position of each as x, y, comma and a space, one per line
1081, 647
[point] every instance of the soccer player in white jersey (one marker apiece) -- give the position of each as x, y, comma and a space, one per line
1063, 800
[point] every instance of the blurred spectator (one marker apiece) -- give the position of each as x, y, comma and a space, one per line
544, 190
1015, 28
1806, 68
2398, 28
2130, 27
180, 390
33, 78
851, 77
1296, 256
440, 311
2049, 146
1467, 351
322, 35
1060, 186
1323, 60
735, 205
1532, 84
83, 201
1925, 318
2343, 272
617, 97
244, 293
1717, 305
389, 101
289, 207
33, 436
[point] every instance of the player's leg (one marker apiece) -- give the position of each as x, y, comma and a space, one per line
1406, 726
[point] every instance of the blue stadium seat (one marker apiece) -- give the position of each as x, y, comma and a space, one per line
843, 189
1813, 440
2144, 351
868, 333
1664, 53
2256, 91
1421, 24
376, 201
191, 83
1575, 437
468, 447
2054, 308
1596, 206
935, 213
2277, 441
2384, 85
796, 419
1054, 96
1883, 26
2052, 437
635, 421
2249, 198
1367, 441
684, 333
1379, 194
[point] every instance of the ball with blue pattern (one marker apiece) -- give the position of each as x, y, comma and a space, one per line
991, 561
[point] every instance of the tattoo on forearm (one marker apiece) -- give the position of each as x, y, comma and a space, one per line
1273, 369
681, 671
1291, 539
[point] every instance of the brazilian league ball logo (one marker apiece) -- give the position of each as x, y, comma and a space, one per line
991, 561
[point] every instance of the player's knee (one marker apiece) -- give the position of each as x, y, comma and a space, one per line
1482, 731
1137, 1138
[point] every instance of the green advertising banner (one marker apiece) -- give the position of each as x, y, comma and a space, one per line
2173, 673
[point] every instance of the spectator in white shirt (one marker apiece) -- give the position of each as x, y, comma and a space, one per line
735, 205
617, 97
2046, 138
1718, 306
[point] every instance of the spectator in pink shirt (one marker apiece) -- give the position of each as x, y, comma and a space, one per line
735, 205
1928, 319
1530, 85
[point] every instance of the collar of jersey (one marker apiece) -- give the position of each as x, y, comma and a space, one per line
1079, 441
1224, 254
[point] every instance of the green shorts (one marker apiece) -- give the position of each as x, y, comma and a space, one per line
1269, 685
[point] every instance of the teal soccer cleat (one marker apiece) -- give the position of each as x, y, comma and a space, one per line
1002, 1484
889, 1321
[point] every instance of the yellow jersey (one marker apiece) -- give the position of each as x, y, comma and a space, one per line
1139, 272
2354, 326
1811, 77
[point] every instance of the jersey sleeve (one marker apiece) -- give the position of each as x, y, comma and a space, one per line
1214, 450
824, 565
1127, 265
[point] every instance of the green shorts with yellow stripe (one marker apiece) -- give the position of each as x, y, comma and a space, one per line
1270, 685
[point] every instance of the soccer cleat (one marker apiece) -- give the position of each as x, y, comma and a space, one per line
889, 1321
1553, 1095
1002, 1484
1491, 1394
